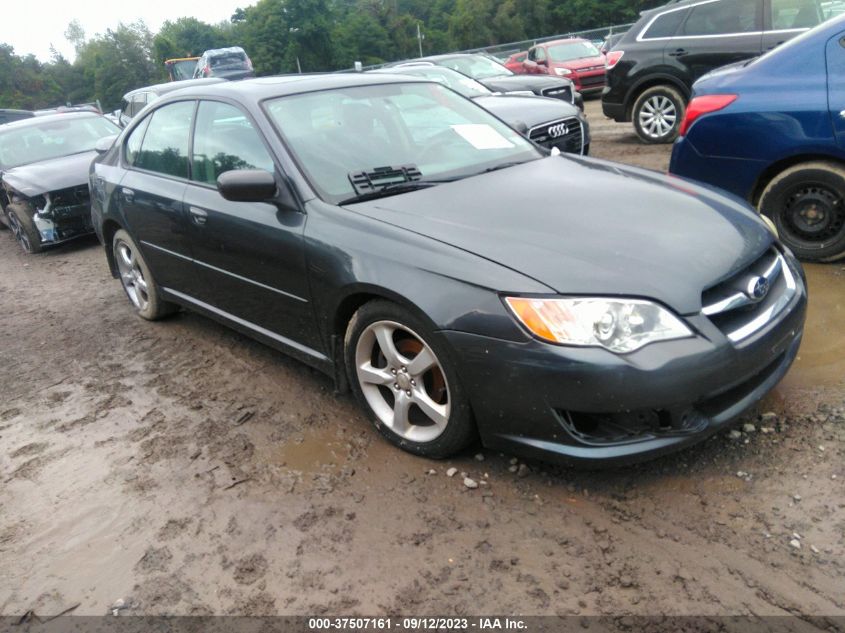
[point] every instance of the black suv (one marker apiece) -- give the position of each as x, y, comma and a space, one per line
651, 70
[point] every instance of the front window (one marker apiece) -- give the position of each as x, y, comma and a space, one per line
795, 14
337, 133
572, 50
476, 66
46, 140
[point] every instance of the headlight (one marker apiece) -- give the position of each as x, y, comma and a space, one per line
562, 72
619, 325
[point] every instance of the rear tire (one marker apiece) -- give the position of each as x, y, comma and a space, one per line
404, 378
137, 280
23, 229
806, 202
658, 113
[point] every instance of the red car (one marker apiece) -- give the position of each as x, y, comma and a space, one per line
515, 62
576, 59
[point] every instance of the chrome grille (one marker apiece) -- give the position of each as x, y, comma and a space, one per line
747, 301
565, 134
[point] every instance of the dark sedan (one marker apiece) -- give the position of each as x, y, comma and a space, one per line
498, 78
44, 165
546, 121
459, 279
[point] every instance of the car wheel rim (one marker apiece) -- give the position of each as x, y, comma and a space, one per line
813, 214
658, 116
403, 382
19, 234
131, 276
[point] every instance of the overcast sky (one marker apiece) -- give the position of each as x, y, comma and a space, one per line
31, 26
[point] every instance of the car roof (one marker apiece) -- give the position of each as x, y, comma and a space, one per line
170, 86
14, 111
280, 85
181, 59
40, 120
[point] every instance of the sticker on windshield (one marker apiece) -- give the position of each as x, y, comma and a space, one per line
482, 136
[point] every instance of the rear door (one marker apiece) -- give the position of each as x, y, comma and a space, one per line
716, 33
249, 255
151, 191
835, 54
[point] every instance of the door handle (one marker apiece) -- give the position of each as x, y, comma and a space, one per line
199, 216
128, 193
680, 52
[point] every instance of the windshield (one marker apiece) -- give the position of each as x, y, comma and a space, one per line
476, 66
336, 133
467, 86
183, 69
572, 50
52, 139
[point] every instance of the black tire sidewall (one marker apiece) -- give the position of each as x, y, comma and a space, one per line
680, 107
460, 430
772, 204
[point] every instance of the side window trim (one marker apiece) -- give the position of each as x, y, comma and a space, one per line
642, 32
277, 170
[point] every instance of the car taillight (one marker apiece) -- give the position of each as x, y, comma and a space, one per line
704, 104
612, 58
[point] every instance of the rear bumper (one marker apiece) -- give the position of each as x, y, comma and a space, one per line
615, 111
568, 404
737, 175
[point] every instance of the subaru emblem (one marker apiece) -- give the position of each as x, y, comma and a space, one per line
758, 288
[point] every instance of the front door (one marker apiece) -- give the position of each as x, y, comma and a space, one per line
835, 55
249, 256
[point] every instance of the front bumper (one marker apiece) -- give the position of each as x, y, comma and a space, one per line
64, 224
568, 404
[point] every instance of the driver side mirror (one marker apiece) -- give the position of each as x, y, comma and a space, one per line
104, 144
254, 185
542, 62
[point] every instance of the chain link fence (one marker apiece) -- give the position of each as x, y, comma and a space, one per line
503, 51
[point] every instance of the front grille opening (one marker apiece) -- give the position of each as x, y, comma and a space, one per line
613, 428
548, 135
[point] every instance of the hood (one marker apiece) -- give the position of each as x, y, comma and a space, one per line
581, 64
532, 111
533, 83
582, 226
50, 175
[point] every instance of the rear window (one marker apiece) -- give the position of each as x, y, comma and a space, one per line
227, 60
665, 25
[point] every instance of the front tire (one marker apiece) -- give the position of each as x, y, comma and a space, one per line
807, 204
402, 375
658, 113
137, 280
23, 229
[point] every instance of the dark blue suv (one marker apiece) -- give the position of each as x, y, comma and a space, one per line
772, 131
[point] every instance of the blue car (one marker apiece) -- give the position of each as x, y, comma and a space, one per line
772, 131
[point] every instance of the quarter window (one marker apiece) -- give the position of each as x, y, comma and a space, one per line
165, 146
795, 14
723, 17
665, 25
225, 140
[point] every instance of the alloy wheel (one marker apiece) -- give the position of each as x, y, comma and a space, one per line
131, 275
403, 381
658, 116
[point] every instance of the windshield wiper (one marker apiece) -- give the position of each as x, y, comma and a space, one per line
392, 190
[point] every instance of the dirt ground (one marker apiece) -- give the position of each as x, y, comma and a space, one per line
185, 469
